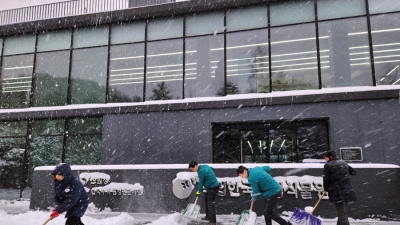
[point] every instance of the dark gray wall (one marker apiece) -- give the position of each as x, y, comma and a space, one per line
181, 136
376, 190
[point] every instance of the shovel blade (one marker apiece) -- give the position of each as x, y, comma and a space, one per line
301, 217
191, 211
247, 217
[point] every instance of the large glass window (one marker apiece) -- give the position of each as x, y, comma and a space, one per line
269, 142
165, 28
246, 18
91, 36
292, 12
19, 44
247, 65
382, 6
344, 52
84, 141
206, 23
55, 40
386, 47
51, 82
128, 32
89, 75
164, 70
126, 73
12, 150
16, 81
204, 66
331, 9
294, 58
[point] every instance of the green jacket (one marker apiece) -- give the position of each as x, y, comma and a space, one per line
262, 183
207, 178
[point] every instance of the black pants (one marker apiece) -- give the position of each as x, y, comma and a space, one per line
269, 210
73, 220
341, 209
210, 204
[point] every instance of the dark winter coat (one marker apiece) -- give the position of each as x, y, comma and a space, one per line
262, 183
207, 178
337, 180
70, 195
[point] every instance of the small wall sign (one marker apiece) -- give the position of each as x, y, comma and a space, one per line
351, 154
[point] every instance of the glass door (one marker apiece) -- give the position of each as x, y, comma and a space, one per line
281, 145
254, 147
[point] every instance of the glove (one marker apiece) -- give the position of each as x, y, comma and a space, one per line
198, 193
54, 214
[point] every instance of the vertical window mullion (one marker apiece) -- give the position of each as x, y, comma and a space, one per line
145, 61
225, 74
24, 175
371, 52
1, 66
33, 86
108, 63
269, 48
184, 57
65, 138
317, 42
69, 92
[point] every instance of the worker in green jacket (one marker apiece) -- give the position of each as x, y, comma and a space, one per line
264, 185
207, 179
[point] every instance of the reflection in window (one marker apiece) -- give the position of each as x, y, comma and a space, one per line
11, 155
344, 52
247, 62
89, 75
331, 9
269, 142
85, 125
292, 12
386, 47
16, 81
47, 127
128, 32
294, 58
13, 128
44, 151
51, 83
126, 73
164, 70
382, 6
165, 28
84, 150
246, 18
55, 40
204, 23
19, 44
204, 66
90, 36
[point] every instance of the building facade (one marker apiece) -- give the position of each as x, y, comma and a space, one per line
253, 81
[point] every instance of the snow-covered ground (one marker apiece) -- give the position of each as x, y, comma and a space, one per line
18, 213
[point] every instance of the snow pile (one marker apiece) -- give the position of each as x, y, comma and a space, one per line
119, 189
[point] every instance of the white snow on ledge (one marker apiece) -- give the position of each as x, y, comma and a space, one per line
216, 166
208, 99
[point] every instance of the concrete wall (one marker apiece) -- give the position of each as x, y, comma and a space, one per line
376, 187
182, 136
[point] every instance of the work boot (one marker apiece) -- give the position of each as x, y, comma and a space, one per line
205, 218
210, 223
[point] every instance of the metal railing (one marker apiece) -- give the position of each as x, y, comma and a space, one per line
71, 8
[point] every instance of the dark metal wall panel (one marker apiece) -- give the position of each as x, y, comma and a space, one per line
138, 139
370, 131
202, 143
170, 151
126, 130
184, 142
110, 139
153, 144
390, 117
347, 125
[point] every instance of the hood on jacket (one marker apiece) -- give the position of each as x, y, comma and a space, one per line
63, 169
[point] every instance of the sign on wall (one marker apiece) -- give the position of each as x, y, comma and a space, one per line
351, 154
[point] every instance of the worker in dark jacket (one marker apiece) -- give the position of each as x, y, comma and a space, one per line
70, 195
337, 184
264, 185
207, 179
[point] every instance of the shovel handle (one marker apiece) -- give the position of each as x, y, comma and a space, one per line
251, 205
197, 197
317, 202
47, 221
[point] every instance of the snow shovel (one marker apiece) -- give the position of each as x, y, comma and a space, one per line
192, 210
47, 221
247, 217
301, 217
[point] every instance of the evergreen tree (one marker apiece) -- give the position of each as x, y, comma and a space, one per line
161, 92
